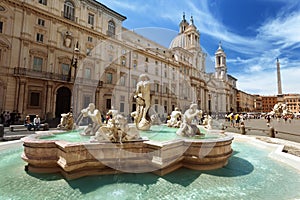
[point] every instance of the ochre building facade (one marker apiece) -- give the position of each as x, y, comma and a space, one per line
60, 55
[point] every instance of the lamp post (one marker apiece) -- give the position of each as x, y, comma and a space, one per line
74, 62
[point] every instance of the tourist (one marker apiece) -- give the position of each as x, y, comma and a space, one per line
7, 118
268, 118
27, 123
36, 122
2, 117
237, 120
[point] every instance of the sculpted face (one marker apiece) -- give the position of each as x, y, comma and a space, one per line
92, 106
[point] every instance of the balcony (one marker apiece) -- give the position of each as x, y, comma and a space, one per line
24, 72
30, 73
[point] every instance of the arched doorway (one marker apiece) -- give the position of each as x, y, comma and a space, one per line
63, 101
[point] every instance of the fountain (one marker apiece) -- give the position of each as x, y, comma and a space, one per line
280, 110
117, 147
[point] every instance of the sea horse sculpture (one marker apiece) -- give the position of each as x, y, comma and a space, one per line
116, 130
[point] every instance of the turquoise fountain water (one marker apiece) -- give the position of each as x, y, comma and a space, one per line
156, 133
250, 174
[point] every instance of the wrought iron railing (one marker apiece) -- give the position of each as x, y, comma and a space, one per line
25, 72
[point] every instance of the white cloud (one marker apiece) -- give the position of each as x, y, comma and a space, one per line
255, 61
285, 30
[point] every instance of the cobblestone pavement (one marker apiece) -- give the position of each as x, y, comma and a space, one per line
284, 130
286, 133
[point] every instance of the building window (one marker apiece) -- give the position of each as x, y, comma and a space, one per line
134, 64
156, 105
156, 71
110, 58
122, 81
87, 73
44, 2
1, 27
166, 106
90, 39
91, 19
88, 52
164, 88
86, 101
108, 103
134, 82
109, 78
39, 37
65, 69
146, 59
166, 74
69, 11
37, 64
156, 87
122, 107
41, 22
146, 68
122, 98
111, 28
34, 99
123, 61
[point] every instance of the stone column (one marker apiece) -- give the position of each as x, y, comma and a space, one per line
49, 101
21, 96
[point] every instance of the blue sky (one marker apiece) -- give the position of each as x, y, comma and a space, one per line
253, 34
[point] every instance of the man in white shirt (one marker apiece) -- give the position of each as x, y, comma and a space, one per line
36, 122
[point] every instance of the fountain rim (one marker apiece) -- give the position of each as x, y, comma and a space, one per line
35, 138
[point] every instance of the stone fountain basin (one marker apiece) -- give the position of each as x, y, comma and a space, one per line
78, 159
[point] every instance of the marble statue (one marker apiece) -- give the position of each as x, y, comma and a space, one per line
96, 118
280, 109
175, 120
116, 130
66, 121
187, 128
207, 122
142, 96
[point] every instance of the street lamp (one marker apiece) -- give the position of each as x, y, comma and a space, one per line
74, 62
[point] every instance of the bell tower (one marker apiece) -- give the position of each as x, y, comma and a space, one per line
220, 65
183, 24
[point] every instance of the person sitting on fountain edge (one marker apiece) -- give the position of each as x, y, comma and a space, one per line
27, 123
36, 122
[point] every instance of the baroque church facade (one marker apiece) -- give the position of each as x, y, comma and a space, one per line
60, 55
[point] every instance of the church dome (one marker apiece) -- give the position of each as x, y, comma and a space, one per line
178, 41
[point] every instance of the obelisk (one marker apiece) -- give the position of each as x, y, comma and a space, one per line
279, 95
